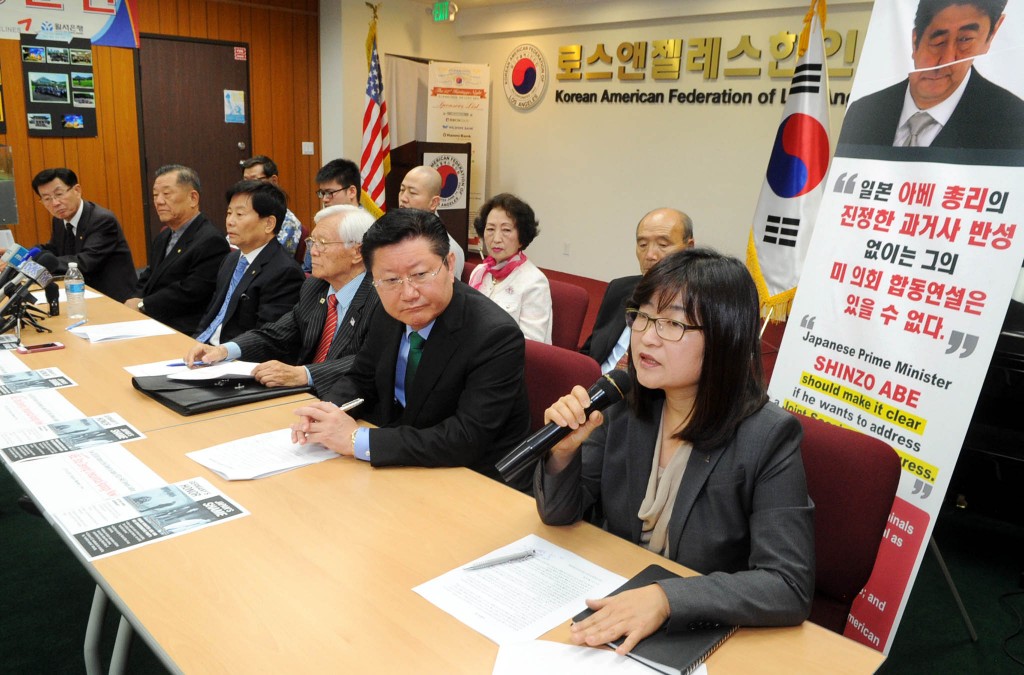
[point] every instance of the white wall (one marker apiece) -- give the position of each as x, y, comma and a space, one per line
405, 28
591, 171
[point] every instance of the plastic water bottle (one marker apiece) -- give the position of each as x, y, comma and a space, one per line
74, 287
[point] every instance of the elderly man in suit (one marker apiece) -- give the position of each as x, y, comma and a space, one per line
944, 102
441, 371
314, 343
660, 232
182, 276
85, 233
260, 281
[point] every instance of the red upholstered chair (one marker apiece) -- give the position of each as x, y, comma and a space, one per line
852, 479
551, 372
569, 305
467, 269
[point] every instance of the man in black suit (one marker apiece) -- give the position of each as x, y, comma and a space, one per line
660, 232
441, 371
307, 346
260, 281
944, 102
180, 280
85, 233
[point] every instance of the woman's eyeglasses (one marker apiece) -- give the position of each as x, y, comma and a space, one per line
667, 329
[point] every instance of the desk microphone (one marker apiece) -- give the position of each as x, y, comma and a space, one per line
53, 298
14, 256
28, 273
610, 388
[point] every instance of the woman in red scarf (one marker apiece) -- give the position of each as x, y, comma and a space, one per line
507, 226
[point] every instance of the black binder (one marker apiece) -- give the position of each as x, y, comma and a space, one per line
675, 653
194, 397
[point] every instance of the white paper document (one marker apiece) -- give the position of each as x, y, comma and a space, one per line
235, 369
260, 455
32, 380
122, 330
155, 368
63, 297
35, 408
68, 435
75, 479
541, 657
522, 600
10, 363
123, 523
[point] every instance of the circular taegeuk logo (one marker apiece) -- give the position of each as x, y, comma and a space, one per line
453, 181
525, 77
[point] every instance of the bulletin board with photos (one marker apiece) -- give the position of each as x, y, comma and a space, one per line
60, 95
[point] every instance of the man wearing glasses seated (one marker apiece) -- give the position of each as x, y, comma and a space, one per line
315, 342
441, 370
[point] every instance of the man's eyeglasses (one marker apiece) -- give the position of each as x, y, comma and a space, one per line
324, 194
414, 280
667, 329
320, 244
57, 196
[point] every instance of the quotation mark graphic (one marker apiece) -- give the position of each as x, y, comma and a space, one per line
967, 341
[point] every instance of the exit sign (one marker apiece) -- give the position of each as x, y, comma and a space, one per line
441, 10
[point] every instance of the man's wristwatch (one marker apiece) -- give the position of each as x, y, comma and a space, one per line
141, 306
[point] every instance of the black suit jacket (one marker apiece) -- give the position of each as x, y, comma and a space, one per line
611, 319
99, 248
987, 117
268, 288
294, 337
177, 288
467, 406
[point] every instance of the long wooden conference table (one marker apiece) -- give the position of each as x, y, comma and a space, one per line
319, 577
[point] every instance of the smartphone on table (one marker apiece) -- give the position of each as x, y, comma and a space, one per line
45, 347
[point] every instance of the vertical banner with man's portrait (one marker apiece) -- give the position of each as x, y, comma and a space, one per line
912, 262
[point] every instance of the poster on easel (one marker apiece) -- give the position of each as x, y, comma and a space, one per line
913, 259
60, 90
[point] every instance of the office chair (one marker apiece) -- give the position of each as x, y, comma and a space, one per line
852, 479
551, 372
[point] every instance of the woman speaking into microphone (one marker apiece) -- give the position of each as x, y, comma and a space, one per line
695, 464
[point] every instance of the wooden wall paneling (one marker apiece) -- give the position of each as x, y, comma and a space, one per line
129, 182
197, 19
229, 19
168, 18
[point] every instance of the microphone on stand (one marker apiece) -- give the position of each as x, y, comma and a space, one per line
610, 388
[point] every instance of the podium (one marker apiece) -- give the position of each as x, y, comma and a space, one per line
410, 155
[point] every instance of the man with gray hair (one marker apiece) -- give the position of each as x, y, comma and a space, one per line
182, 276
315, 342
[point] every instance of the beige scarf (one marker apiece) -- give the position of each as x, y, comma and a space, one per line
662, 487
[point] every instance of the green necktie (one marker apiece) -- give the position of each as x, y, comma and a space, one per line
415, 353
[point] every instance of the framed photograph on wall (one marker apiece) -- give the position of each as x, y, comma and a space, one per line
60, 96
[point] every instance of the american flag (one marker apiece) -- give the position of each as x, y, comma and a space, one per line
375, 162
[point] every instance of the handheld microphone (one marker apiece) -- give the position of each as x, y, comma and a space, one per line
610, 388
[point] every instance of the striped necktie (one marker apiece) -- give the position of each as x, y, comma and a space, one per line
327, 337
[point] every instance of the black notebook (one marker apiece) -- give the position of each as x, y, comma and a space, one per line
675, 653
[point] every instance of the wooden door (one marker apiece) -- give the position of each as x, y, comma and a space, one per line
184, 118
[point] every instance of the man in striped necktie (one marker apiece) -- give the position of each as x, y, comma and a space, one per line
315, 342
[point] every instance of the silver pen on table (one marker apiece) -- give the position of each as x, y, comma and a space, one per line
511, 557
344, 407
